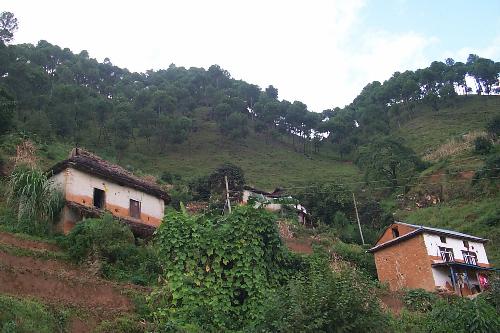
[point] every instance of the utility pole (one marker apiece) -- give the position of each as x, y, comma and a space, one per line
357, 217
227, 195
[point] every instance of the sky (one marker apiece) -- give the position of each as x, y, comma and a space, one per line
319, 52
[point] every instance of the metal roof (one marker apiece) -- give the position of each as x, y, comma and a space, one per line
444, 231
421, 229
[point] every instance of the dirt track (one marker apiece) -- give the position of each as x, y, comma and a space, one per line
60, 284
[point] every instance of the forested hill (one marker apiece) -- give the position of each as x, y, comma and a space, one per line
55, 96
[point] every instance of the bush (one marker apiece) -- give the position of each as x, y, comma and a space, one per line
462, 315
482, 145
320, 300
218, 271
357, 255
104, 237
419, 300
493, 127
112, 243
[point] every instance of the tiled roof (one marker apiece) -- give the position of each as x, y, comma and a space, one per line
87, 162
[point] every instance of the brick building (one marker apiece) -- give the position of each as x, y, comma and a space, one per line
414, 256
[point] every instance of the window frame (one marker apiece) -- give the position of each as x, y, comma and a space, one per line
139, 210
470, 258
446, 254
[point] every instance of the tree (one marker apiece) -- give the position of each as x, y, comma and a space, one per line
8, 25
235, 178
235, 126
7, 105
272, 92
389, 161
324, 201
493, 127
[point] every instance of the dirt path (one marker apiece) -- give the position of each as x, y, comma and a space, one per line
60, 283
299, 245
12, 240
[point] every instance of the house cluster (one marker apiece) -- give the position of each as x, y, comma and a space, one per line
406, 255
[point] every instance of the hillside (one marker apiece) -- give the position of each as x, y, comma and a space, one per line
428, 129
266, 164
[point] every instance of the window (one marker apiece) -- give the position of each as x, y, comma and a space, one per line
395, 232
470, 257
466, 244
443, 239
99, 198
446, 254
135, 209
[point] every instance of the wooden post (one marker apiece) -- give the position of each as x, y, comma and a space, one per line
227, 195
357, 217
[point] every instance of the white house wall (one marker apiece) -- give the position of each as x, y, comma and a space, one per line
79, 187
433, 242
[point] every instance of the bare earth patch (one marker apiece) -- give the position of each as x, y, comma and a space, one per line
60, 283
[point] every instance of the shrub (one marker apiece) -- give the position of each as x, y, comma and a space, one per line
493, 127
357, 255
320, 300
462, 315
487, 176
482, 145
419, 300
218, 270
104, 237
112, 243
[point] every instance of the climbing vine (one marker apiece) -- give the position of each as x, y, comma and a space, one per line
217, 269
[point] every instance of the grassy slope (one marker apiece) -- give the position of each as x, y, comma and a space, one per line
430, 129
265, 165
480, 218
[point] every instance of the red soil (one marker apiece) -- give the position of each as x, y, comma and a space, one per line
299, 245
9, 239
61, 284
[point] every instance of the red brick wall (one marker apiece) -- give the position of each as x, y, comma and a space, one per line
387, 236
405, 264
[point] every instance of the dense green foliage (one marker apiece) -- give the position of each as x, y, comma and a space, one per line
419, 300
28, 316
463, 316
111, 244
482, 145
321, 300
218, 270
388, 163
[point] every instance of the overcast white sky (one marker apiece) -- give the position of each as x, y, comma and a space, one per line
319, 52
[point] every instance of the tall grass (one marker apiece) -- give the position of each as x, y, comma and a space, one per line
34, 196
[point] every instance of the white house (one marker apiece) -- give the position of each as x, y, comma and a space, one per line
274, 201
92, 186
415, 256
